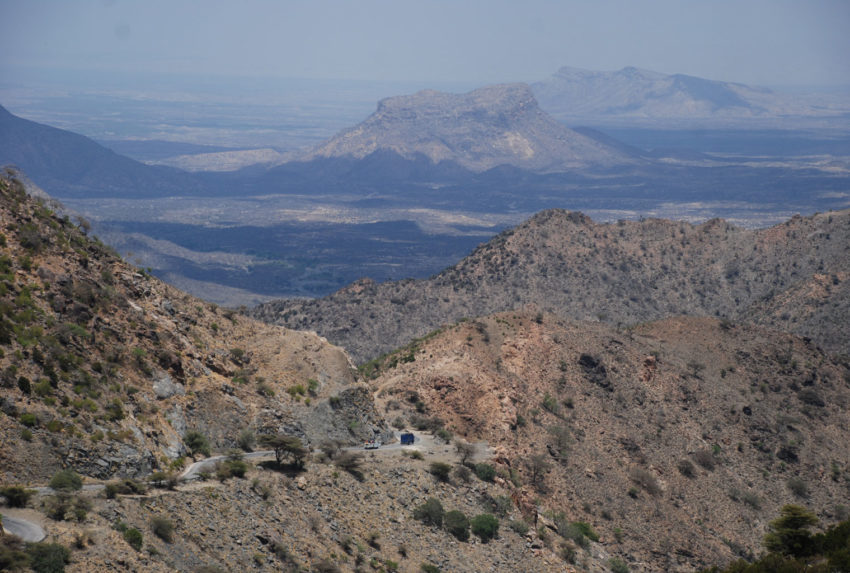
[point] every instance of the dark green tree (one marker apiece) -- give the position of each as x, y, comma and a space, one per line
485, 526
790, 534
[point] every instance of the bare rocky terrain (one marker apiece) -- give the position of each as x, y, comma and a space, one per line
107, 368
676, 440
791, 276
641, 446
107, 372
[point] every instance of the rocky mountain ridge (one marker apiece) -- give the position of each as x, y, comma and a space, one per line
486, 128
792, 276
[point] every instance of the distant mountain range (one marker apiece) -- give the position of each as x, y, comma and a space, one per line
494, 126
636, 95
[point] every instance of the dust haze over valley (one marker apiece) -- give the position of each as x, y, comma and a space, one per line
596, 256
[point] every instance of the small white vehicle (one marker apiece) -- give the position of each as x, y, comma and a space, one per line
372, 445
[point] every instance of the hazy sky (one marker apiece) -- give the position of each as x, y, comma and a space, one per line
765, 42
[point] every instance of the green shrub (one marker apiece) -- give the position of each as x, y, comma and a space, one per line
706, 459
617, 565
430, 512
48, 557
197, 443
24, 385
457, 524
485, 526
134, 538
163, 528
17, 496
66, 480
440, 470
519, 526
798, 487
13, 555
429, 568
586, 530
229, 468
28, 419
485, 472
646, 480
444, 435
686, 468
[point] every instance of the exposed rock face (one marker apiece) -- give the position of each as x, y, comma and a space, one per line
792, 276
485, 128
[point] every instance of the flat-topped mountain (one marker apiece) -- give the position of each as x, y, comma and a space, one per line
792, 276
634, 94
479, 130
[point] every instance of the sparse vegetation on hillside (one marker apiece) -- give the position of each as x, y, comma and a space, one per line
794, 276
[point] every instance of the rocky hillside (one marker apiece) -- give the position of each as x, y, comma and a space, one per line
676, 441
108, 372
792, 277
105, 369
480, 130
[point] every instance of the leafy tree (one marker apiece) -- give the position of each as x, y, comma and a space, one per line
485, 526
285, 448
789, 533
465, 450
538, 465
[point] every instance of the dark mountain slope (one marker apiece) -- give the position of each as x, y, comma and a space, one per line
69, 165
623, 273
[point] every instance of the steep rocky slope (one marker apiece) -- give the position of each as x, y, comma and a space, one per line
677, 441
480, 130
792, 276
104, 369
